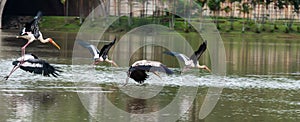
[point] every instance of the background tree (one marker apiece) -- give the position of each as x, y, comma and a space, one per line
227, 9
296, 8
201, 4
295, 4
232, 6
245, 9
215, 7
280, 6
265, 13
130, 2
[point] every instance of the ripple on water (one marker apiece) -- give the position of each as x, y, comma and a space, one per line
102, 74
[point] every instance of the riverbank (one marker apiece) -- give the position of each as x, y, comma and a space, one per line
72, 24
266, 31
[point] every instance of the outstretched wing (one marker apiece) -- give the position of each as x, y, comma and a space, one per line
149, 68
33, 26
197, 54
38, 66
93, 50
104, 50
138, 73
180, 56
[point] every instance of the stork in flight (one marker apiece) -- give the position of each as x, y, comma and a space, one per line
33, 64
138, 69
191, 62
31, 32
99, 56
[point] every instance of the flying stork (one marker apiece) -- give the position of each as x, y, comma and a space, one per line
99, 56
191, 62
31, 32
33, 64
138, 69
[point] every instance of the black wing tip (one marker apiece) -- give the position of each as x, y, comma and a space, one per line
205, 42
114, 41
54, 73
82, 43
169, 53
167, 70
51, 70
39, 14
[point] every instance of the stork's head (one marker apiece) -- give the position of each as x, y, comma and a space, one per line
53, 42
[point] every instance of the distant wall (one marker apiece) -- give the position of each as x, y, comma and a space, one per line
13, 8
14, 11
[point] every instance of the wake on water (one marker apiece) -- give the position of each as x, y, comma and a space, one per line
104, 74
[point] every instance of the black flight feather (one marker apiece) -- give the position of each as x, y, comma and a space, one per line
197, 54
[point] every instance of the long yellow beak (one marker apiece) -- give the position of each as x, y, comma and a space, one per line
208, 69
53, 42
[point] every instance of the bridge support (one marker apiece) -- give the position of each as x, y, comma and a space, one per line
2, 4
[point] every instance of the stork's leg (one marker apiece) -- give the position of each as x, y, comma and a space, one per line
23, 49
13, 70
156, 73
184, 69
126, 81
96, 62
112, 62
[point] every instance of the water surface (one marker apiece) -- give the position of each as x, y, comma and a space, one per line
262, 83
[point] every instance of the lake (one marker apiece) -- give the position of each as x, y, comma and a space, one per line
262, 82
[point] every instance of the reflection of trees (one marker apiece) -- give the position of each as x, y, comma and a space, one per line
25, 105
41, 106
261, 57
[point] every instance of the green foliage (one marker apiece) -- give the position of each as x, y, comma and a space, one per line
296, 5
214, 5
227, 9
201, 2
71, 24
60, 23
280, 4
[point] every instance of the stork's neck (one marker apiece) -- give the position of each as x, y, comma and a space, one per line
41, 38
44, 40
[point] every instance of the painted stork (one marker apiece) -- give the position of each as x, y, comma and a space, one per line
191, 62
33, 64
31, 32
138, 69
99, 56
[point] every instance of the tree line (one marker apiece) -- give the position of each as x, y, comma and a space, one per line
262, 13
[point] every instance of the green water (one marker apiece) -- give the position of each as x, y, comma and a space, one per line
262, 84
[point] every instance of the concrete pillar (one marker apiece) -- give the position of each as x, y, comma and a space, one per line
2, 4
